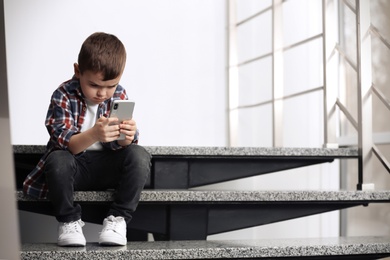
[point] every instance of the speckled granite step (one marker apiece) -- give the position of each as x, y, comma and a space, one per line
336, 248
222, 196
195, 151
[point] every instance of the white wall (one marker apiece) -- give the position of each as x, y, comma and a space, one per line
175, 70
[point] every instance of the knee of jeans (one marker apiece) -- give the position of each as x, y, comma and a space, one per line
58, 163
139, 155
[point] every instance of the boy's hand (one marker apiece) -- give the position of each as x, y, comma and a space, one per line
128, 128
107, 129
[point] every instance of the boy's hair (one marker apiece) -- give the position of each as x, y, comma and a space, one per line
102, 52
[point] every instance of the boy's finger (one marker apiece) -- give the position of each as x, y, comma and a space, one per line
112, 120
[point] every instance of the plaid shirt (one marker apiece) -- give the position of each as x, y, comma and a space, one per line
65, 118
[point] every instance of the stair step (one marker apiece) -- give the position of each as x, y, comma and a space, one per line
188, 167
193, 214
311, 248
205, 151
222, 196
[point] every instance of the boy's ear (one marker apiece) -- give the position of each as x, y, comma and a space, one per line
76, 70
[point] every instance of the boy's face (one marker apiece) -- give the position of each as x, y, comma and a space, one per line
94, 88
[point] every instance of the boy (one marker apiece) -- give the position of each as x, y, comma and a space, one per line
83, 153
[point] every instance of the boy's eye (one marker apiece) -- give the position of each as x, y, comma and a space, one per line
93, 85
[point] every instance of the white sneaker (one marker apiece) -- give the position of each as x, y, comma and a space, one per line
113, 232
71, 234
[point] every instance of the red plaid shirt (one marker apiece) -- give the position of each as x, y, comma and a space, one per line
65, 117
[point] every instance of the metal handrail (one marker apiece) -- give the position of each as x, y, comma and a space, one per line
348, 4
285, 48
312, 38
381, 157
281, 98
347, 114
381, 96
376, 33
344, 55
254, 15
255, 59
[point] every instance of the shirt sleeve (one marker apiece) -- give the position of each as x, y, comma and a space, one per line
60, 120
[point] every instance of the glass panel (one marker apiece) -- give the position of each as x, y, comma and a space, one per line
254, 38
381, 20
303, 121
381, 78
381, 65
349, 78
302, 19
247, 8
255, 126
380, 115
348, 36
255, 82
303, 67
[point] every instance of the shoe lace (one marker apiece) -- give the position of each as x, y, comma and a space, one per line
72, 227
110, 224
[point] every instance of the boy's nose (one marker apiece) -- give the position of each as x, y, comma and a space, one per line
101, 93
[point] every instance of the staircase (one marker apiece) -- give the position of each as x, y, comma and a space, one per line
181, 218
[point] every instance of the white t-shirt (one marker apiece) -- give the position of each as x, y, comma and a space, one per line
89, 121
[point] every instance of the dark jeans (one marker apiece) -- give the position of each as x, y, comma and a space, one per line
124, 170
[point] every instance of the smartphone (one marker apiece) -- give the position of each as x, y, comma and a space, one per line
123, 110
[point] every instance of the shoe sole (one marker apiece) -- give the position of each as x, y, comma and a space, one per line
71, 243
112, 241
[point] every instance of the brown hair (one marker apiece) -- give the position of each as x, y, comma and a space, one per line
102, 52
